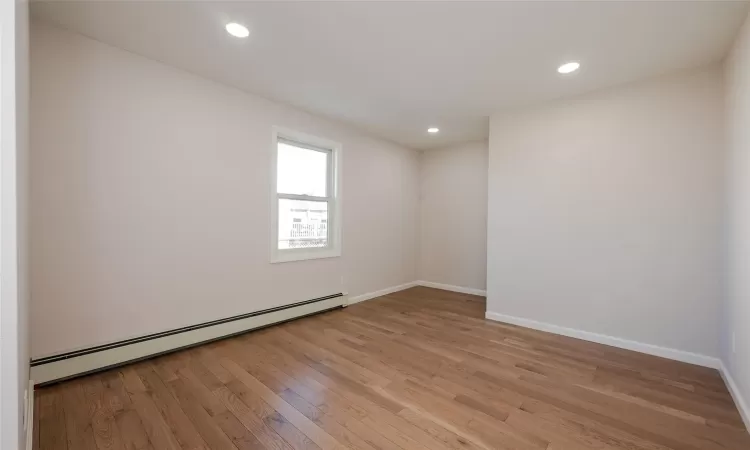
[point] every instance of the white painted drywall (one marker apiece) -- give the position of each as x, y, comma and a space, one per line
14, 298
150, 199
737, 311
453, 216
605, 212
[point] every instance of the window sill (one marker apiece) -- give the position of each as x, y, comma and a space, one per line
291, 255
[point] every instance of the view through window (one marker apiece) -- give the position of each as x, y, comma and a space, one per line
304, 184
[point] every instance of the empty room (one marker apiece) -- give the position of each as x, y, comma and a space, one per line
375, 225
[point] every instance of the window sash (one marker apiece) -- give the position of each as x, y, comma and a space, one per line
332, 198
330, 221
312, 198
330, 174
329, 199
293, 143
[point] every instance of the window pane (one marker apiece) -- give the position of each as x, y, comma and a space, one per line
302, 224
301, 171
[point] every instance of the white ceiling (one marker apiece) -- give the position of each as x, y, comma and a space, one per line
395, 68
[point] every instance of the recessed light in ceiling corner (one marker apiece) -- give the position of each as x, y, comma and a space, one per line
433, 130
237, 30
568, 67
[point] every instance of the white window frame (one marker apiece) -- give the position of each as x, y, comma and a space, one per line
333, 198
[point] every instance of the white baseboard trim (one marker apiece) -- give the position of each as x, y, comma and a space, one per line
29, 417
450, 287
380, 293
664, 352
739, 400
401, 287
72, 364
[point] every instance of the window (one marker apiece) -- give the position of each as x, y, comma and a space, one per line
306, 210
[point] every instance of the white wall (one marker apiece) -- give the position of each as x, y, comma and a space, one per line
737, 311
453, 216
150, 199
14, 359
605, 212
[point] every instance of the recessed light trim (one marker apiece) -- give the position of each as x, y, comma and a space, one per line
237, 30
569, 67
433, 130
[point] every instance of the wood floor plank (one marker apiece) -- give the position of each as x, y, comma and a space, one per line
469, 421
127, 419
114, 394
242, 438
134, 436
159, 433
326, 421
598, 431
347, 408
52, 422
184, 430
78, 425
296, 418
446, 433
269, 438
419, 369
206, 427
270, 416
106, 432
202, 392
376, 417
341, 421
35, 431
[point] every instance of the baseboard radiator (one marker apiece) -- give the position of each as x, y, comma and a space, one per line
55, 368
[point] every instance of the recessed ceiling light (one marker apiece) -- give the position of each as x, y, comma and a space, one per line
569, 67
237, 30
433, 130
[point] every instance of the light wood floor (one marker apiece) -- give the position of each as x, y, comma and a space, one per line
419, 369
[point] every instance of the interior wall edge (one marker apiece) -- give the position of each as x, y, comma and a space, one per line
453, 288
742, 405
429, 284
735, 326
381, 292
